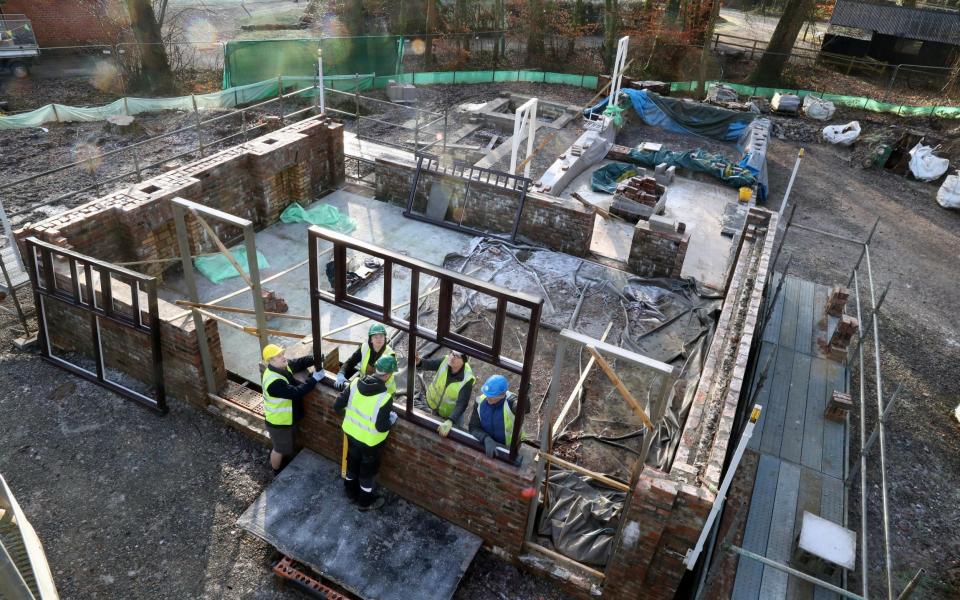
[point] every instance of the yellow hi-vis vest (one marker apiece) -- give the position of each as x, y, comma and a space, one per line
277, 411
365, 353
508, 418
360, 419
441, 397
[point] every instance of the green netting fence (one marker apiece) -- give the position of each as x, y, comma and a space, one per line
943, 112
251, 61
242, 95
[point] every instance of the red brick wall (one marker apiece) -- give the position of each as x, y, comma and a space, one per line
73, 22
451, 480
256, 180
656, 253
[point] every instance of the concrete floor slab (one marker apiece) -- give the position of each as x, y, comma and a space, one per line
700, 205
284, 245
398, 552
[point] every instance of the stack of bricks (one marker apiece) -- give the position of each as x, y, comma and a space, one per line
658, 250
837, 301
838, 407
847, 327
641, 189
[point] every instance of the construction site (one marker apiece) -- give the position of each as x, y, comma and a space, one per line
728, 345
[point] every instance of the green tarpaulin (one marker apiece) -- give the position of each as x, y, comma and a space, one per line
730, 173
606, 178
217, 267
323, 215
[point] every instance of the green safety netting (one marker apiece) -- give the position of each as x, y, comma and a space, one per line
606, 178
945, 112
730, 173
451, 77
218, 268
323, 215
248, 61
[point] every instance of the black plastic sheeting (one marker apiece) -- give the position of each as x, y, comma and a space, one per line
580, 519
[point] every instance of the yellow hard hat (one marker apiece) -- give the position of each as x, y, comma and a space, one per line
271, 350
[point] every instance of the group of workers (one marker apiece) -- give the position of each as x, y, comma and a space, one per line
367, 384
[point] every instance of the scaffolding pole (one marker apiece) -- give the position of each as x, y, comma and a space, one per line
863, 454
791, 571
882, 438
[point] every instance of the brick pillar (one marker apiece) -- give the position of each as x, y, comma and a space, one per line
658, 248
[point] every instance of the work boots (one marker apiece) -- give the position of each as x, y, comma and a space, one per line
352, 488
369, 500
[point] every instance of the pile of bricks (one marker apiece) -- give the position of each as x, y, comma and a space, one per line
847, 327
642, 189
837, 301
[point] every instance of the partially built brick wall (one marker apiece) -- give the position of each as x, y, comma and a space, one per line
256, 180
556, 223
667, 510
449, 479
657, 253
130, 352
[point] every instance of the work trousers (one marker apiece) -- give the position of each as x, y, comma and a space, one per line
363, 463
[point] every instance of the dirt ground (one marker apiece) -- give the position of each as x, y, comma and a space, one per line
78, 456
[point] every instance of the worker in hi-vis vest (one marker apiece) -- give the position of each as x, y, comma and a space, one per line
449, 392
492, 422
366, 406
364, 358
283, 400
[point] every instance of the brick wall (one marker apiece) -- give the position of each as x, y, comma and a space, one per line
555, 223
657, 253
256, 181
666, 512
449, 479
74, 22
129, 352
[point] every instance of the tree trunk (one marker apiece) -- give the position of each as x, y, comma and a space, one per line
535, 33
354, 20
770, 67
611, 27
431, 29
154, 69
705, 53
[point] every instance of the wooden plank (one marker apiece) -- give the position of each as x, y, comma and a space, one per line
767, 350
780, 542
777, 406
613, 483
808, 500
834, 434
831, 507
812, 453
772, 331
750, 572
791, 306
819, 318
795, 416
805, 318
612, 375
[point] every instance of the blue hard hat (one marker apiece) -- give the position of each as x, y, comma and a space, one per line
496, 385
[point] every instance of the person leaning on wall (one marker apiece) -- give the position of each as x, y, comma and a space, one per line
283, 400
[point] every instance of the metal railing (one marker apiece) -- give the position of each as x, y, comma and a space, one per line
443, 335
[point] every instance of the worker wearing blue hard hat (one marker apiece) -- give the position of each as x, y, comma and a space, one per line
493, 421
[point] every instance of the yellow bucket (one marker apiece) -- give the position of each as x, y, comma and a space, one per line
745, 194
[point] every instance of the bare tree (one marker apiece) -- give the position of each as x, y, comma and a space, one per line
535, 47
770, 66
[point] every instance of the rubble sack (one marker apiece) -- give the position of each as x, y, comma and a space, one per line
925, 165
842, 134
816, 108
948, 196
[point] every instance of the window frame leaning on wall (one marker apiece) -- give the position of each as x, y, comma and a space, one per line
443, 336
98, 302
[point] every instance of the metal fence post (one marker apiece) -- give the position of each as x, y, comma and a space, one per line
280, 96
196, 113
444, 130
356, 101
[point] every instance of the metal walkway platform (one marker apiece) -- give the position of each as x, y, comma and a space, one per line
802, 454
396, 553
